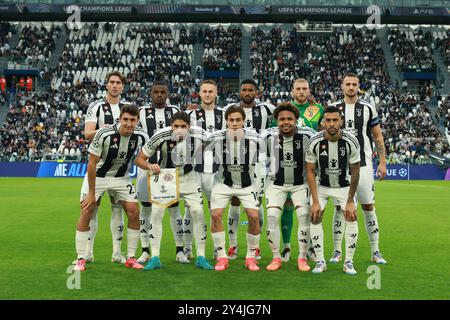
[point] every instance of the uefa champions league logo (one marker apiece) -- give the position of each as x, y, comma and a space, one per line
403, 172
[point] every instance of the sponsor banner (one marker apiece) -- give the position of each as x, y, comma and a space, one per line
316, 10
8, 7
77, 169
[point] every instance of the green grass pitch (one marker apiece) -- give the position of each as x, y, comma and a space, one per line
37, 236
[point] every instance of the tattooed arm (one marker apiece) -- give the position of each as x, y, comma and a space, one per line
381, 151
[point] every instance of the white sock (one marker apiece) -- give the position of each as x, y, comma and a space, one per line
144, 217
233, 224
338, 229
253, 244
351, 237
132, 242
316, 232
81, 238
273, 231
261, 217
116, 226
93, 227
287, 245
200, 230
155, 234
303, 234
371, 223
219, 243
176, 224
187, 228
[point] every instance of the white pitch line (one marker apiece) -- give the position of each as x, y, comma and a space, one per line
418, 185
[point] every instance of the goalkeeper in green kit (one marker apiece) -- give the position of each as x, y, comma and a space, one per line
311, 114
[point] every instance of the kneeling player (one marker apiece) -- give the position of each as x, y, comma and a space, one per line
177, 146
236, 151
111, 154
334, 151
286, 147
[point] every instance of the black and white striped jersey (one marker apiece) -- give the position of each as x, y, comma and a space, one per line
259, 117
152, 119
210, 121
102, 112
333, 159
184, 154
236, 159
116, 152
286, 155
359, 119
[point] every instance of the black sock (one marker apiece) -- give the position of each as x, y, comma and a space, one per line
179, 249
145, 250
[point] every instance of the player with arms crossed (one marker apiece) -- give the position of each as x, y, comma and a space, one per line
208, 117
111, 154
310, 115
101, 114
286, 148
361, 119
154, 117
236, 150
258, 117
178, 146
334, 152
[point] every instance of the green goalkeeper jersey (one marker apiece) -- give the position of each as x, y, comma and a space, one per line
310, 115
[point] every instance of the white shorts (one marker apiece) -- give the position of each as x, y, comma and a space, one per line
365, 193
276, 195
339, 196
120, 188
260, 180
191, 189
207, 183
141, 185
221, 195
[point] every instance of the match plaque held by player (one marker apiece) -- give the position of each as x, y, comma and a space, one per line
163, 188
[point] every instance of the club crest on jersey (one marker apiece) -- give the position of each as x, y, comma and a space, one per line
358, 112
132, 144
342, 151
168, 115
218, 119
297, 144
256, 113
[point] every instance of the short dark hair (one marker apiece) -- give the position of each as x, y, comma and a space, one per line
131, 109
286, 106
332, 109
180, 115
249, 81
117, 74
351, 75
234, 108
160, 83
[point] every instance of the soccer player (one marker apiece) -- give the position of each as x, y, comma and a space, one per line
335, 153
101, 114
236, 150
210, 119
178, 146
111, 154
153, 117
310, 115
258, 117
286, 148
361, 119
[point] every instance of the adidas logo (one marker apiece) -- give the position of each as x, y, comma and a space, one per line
114, 146
107, 113
324, 153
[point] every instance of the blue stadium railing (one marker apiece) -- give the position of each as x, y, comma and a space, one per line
396, 3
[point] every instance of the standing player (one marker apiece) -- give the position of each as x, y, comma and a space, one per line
177, 145
100, 114
361, 119
210, 119
236, 150
310, 115
258, 117
154, 117
334, 152
111, 154
286, 147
